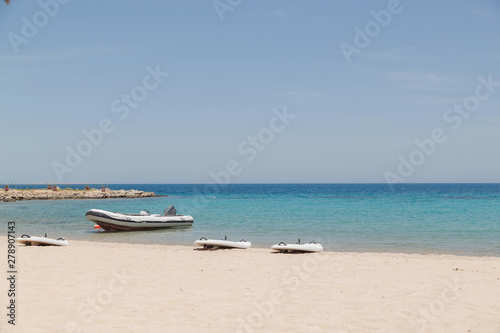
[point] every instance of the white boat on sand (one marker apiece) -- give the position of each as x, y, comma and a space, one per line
41, 241
143, 221
309, 247
222, 243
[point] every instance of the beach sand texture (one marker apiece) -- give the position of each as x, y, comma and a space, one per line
116, 287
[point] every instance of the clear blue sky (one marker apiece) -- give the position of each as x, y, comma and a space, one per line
354, 120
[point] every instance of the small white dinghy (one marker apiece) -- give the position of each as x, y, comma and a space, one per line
309, 247
222, 243
111, 221
41, 241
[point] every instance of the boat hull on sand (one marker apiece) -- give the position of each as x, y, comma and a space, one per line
41, 241
116, 221
310, 247
221, 243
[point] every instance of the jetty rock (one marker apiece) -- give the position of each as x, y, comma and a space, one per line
65, 194
8, 198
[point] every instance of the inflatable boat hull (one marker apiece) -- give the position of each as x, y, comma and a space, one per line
117, 221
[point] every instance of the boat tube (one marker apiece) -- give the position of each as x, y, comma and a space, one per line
143, 221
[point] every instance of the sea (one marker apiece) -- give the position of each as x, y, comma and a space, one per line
460, 219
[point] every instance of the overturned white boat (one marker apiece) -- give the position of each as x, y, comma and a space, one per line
142, 221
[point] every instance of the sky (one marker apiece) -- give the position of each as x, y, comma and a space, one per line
236, 91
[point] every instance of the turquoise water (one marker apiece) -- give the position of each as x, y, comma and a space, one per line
412, 218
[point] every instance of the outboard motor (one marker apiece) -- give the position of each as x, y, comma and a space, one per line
170, 210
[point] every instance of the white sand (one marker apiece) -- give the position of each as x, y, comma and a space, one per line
113, 287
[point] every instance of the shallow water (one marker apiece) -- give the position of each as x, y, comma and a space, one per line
422, 218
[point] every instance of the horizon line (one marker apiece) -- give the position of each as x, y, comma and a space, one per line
256, 183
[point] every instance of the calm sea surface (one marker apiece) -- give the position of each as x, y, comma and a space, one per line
412, 218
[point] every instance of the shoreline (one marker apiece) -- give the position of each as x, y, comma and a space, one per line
67, 194
120, 287
263, 250
261, 246
266, 249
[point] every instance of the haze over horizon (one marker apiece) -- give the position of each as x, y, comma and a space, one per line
250, 92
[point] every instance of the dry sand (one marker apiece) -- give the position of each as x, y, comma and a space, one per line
113, 287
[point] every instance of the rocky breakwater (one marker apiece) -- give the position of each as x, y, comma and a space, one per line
64, 194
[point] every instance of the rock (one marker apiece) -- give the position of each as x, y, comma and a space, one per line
44, 194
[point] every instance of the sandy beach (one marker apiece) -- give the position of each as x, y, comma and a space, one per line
111, 287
